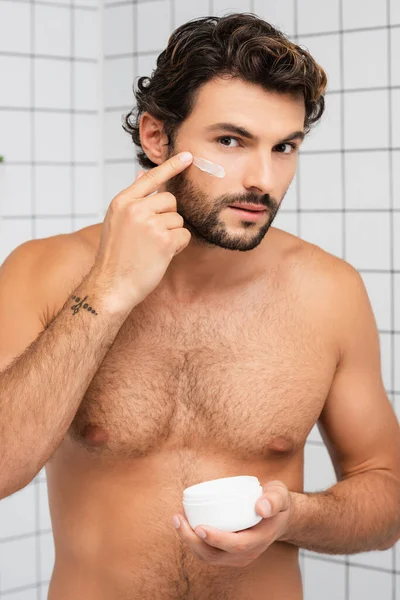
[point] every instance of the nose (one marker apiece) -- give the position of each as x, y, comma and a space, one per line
259, 174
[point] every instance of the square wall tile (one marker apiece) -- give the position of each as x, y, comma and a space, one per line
52, 83
117, 178
367, 240
47, 556
15, 77
396, 228
378, 287
366, 123
323, 229
146, 64
87, 190
365, 56
17, 513
311, 19
369, 585
49, 179
185, 11
18, 563
15, 26
13, 233
86, 31
323, 575
321, 181
119, 144
319, 474
86, 86
26, 594
50, 227
153, 33
15, 190
86, 138
222, 7
118, 81
326, 133
364, 13
396, 361
378, 559
287, 222
52, 137
395, 52
396, 177
52, 30
119, 29
325, 49
396, 118
280, 14
394, 12
44, 511
16, 136
371, 191
397, 302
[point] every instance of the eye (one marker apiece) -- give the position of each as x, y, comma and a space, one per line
227, 137
291, 145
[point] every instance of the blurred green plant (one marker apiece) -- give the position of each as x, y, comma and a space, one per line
1, 159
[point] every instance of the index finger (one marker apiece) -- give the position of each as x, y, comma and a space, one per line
151, 180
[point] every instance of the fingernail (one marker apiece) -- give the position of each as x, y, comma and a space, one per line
201, 533
266, 507
186, 157
176, 522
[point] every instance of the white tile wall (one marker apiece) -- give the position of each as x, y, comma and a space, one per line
326, 51
321, 181
65, 196
364, 13
280, 14
369, 585
364, 53
45, 77
324, 579
311, 19
363, 192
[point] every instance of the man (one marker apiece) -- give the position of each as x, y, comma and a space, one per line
143, 355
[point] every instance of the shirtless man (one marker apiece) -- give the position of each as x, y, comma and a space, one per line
143, 355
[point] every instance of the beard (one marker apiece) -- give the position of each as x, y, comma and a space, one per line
202, 216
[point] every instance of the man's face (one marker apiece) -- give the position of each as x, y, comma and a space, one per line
257, 170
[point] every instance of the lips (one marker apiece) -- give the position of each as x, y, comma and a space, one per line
250, 207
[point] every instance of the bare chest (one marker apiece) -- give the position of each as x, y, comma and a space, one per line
247, 376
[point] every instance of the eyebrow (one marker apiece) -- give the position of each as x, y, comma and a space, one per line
231, 127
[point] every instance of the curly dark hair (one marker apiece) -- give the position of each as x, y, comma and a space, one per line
239, 45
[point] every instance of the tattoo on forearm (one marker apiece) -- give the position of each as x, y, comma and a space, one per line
79, 304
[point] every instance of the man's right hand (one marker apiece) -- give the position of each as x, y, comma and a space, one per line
141, 235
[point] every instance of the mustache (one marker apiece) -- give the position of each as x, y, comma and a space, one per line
265, 201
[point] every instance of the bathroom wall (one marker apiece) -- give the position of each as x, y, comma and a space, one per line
50, 137
345, 197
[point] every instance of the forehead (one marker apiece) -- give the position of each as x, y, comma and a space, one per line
249, 105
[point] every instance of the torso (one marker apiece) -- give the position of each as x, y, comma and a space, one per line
185, 394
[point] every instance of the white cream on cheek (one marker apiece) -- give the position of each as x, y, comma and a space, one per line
209, 167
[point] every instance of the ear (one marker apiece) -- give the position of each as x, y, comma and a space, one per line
153, 138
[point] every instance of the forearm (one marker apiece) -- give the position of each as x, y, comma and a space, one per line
41, 390
358, 514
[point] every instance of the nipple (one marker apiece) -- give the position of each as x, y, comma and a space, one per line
209, 167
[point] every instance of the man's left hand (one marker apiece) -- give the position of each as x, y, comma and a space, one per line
239, 549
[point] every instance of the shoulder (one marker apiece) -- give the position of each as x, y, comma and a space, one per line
326, 288
52, 267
